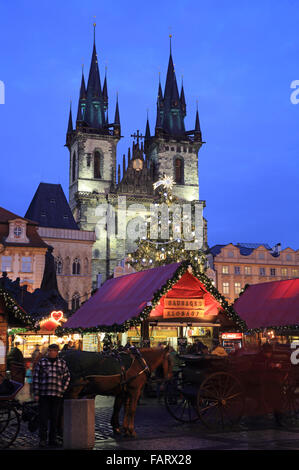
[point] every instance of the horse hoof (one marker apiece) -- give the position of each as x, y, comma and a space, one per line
116, 431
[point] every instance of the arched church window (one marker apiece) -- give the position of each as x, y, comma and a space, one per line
179, 170
74, 166
58, 265
97, 165
76, 266
75, 301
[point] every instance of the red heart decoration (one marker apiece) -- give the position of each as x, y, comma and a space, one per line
57, 315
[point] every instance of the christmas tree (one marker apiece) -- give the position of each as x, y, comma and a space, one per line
168, 246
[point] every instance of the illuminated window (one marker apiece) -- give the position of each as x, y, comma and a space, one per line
247, 270
237, 288
284, 272
225, 287
224, 269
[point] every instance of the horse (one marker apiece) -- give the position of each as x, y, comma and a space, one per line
133, 368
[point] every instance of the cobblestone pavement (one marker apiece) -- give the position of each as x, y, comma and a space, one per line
157, 430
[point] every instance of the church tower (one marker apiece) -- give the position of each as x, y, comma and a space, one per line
92, 144
173, 150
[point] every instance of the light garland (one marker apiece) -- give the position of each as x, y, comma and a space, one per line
226, 309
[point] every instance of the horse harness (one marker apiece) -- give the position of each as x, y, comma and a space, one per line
135, 353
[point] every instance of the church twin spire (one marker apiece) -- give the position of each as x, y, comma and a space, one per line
171, 109
92, 111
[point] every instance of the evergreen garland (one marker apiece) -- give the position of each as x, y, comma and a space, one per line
12, 307
116, 328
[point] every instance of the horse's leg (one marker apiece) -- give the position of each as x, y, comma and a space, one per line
127, 402
119, 400
135, 395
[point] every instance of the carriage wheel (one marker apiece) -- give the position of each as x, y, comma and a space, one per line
9, 426
289, 415
180, 400
220, 401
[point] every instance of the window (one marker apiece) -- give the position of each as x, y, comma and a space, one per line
17, 231
247, 270
261, 255
237, 288
179, 171
262, 272
272, 272
76, 266
26, 264
295, 272
58, 265
289, 257
237, 270
167, 148
230, 254
225, 287
6, 264
284, 272
88, 159
224, 269
75, 301
172, 149
74, 166
178, 149
97, 165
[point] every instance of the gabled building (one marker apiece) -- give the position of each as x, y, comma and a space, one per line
72, 248
22, 249
233, 266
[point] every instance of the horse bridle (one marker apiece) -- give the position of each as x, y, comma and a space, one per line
146, 370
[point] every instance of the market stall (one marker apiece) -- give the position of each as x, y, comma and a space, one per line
161, 305
271, 310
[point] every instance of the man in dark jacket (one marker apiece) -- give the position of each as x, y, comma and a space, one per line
50, 380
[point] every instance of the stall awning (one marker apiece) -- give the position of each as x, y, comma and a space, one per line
125, 301
270, 304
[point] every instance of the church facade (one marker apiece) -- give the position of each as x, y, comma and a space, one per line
97, 180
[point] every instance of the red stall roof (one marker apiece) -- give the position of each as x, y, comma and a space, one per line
270, 304
124, 298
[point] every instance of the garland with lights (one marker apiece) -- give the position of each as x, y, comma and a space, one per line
183, 267
13, 308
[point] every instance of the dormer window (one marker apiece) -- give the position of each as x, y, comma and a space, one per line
17, 231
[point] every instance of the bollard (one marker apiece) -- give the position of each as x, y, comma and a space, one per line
78, 424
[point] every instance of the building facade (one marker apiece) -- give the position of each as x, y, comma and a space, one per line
22, 250
72, 248
97, 179
235, 265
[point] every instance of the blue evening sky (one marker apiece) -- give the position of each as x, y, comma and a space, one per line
238, 58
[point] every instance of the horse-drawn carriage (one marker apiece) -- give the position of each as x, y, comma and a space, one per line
219, 391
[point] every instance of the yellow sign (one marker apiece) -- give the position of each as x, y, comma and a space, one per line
183, 308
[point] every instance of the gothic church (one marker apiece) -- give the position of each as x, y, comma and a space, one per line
95, 178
